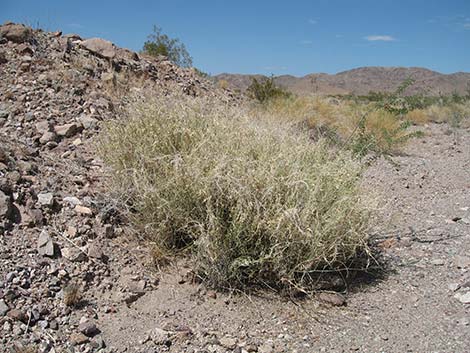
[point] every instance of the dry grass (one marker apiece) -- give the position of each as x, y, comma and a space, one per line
252, 201
380, 131
418, 117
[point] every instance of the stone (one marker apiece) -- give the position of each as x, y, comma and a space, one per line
462, 262
4, 114
88, 328
48, 136
5, 206
438, 262
3, 308
43, 126
334, 299
83, 210
266, 347
94, 251
463, 297
45, 244
453, 286
17, 315
16, 33
228, 342
71, 200
77, 338
88, 122
24, 49
46, 199
100, 47
66, 130
73, 254
160, 337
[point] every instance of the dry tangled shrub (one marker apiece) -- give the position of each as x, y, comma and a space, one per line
253, 201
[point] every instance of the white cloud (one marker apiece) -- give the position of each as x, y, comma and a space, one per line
312, 21
306, 42
382, 38
466, 25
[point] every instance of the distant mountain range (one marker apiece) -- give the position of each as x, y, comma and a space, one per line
362, 81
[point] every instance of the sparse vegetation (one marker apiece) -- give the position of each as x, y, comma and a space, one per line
159, 43
249, 200
265, 90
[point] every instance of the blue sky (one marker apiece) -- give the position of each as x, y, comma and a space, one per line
279, 37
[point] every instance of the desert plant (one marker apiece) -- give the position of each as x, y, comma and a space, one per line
72, 294
417, 116
265, 89
250, 201
159, 43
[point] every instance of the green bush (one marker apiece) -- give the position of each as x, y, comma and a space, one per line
251, 201
265, 90
159, 43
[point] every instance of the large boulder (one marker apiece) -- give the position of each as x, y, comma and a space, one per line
100, 47
16, 33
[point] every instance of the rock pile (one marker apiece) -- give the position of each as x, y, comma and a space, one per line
59, 242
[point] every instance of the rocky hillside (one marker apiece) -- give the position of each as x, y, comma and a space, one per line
59, 241
363, 80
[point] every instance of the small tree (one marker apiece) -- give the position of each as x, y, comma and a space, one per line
159, 43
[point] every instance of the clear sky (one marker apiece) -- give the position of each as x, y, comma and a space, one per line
279, 37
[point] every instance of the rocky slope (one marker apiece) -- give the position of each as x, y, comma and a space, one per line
363, 80
59, 241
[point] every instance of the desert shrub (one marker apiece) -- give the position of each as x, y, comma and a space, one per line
417, 116
380, 132
159, 43
223, 84
249, 200
265, 90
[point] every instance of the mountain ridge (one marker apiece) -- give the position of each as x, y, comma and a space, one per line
362, 80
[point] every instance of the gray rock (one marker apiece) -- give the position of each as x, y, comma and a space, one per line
160, 337
67, 130
48, 136
100, 47
453, 286
73, 254
228, 342
72, 200
43, 126
16, 33
94, 250
334, 299
88, 122
3, 308
5, 206
88, 328
45, 244
4, 114
463, 297
46, 199
462, 262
